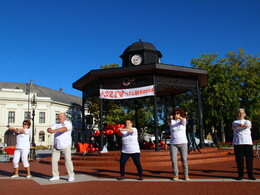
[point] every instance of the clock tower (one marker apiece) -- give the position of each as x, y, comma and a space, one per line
140, 53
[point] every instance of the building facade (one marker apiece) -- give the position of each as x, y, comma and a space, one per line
15, 106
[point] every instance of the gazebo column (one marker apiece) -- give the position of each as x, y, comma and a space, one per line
156, 124
101, 121
83, 130
136, 106
201, 126
155, 110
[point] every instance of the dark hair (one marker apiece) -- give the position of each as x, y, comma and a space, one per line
27, 122
129, 120
178, 110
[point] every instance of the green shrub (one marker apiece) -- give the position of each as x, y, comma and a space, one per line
225, 144
41, 147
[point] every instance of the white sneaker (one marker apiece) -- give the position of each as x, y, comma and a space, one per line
54, 178
28, 177
71, 179
186, 177
175, 178
14, 176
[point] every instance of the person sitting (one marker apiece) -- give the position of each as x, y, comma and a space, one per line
209, 137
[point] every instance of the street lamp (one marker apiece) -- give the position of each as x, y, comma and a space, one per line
32, 151
34, 105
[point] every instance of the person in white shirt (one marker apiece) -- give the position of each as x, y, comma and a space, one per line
243, 144
178, 142
62, 143
22, 148
130, 148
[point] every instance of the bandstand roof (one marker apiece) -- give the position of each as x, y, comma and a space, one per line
93, 77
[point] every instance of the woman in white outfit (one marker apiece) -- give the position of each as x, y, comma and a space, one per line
243, 144
130, 148
178, 142
22, 148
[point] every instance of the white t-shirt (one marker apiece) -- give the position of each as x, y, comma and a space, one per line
130, 143
62, 139
23, 140
178, 132
242, 135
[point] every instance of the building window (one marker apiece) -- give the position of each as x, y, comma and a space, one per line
41, 136
27, 116
42, 117
57, 118
11, 117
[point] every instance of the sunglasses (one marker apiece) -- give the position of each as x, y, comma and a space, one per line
24, 124
176, 113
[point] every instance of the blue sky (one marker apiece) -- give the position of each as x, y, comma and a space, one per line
55, 42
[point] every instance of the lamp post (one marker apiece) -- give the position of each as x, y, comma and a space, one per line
34, 105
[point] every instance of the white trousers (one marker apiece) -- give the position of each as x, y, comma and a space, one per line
68, 161
21, 153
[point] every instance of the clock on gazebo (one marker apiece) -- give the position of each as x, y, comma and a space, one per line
140, 53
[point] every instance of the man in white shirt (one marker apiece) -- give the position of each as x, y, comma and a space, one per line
62, 143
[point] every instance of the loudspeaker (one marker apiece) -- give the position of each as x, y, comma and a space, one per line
89, 119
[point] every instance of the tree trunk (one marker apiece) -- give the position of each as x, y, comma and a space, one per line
223, 139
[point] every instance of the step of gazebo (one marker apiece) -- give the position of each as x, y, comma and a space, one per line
151, 157
148, 158
143, 152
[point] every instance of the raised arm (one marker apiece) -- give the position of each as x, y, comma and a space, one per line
16, 130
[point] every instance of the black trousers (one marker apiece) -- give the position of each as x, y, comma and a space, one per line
215, 141
242, 151
136, 158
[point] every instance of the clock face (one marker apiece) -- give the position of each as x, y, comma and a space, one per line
136, 59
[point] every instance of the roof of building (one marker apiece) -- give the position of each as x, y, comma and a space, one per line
55, 95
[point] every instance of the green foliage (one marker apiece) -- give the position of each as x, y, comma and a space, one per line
40, 147
74, 115
109, 66
113, 112
92, 104
233, 82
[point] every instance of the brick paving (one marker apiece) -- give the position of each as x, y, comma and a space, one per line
206, 178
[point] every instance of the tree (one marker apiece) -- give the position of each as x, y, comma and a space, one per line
109, 66
233, 82
74, 114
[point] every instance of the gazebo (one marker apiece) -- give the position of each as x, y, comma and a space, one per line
142, 77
